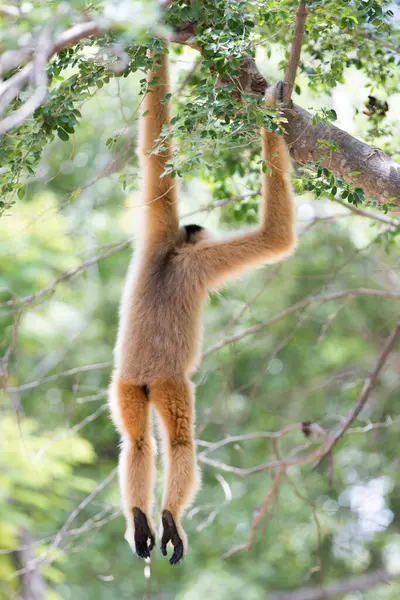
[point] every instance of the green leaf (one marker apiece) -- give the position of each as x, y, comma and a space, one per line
62, 134
21, 192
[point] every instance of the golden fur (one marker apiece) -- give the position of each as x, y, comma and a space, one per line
159, 336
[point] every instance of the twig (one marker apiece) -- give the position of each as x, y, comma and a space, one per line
269, 466
272, 492
69, 373
295, 50
369, 215
275, 435
188, 76
10, 88
298, 306
365, 392
60, 534
40, 80
339, 588
66, 276
107, 253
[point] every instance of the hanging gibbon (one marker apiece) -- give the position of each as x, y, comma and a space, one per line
159, 337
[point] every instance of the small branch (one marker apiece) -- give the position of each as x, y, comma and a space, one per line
295, 50
285, 463
10, 88
32, 584
70, 432
69, 373
44, 557
273, 435
298, 306
272, 493
338, 589
393, 222
66, 276
365, 392
40, 80
48, 289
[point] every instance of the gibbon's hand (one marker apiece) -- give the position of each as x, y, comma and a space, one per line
170, 534
143, 534
275, 94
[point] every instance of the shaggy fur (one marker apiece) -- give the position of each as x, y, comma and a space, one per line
159, 336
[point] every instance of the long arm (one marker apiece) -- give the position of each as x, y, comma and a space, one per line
273, 239
159, 193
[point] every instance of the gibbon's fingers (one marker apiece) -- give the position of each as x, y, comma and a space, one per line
130, 408
275, 94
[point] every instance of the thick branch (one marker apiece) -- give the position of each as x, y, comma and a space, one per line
338, 589
358, 163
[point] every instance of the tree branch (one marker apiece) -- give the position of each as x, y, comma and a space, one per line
298, 306
66, 276
365, 392
358, 163
338, 589
10, 88
295, 50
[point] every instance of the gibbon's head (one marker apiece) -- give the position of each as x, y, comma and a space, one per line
192, 234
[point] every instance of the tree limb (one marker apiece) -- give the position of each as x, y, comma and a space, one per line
10, 88
295, 50
298, 306
365, 392
365, 166
338, 589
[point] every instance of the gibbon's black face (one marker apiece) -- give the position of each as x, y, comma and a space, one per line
193, 233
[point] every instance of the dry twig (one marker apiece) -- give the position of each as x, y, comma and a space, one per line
298, 306
365, 392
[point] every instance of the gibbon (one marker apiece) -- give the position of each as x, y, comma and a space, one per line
159, 337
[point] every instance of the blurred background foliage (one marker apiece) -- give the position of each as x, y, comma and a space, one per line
59, 496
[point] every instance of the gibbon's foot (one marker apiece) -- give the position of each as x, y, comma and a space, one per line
170, 534
144, 537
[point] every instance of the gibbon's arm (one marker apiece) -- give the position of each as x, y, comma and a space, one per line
273, 239
159, 194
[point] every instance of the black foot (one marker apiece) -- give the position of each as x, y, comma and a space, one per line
143, 534
170, 534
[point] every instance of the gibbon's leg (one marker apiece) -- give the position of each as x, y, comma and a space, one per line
173, 400
130, 408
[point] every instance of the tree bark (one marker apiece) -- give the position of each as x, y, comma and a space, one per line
379, 175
